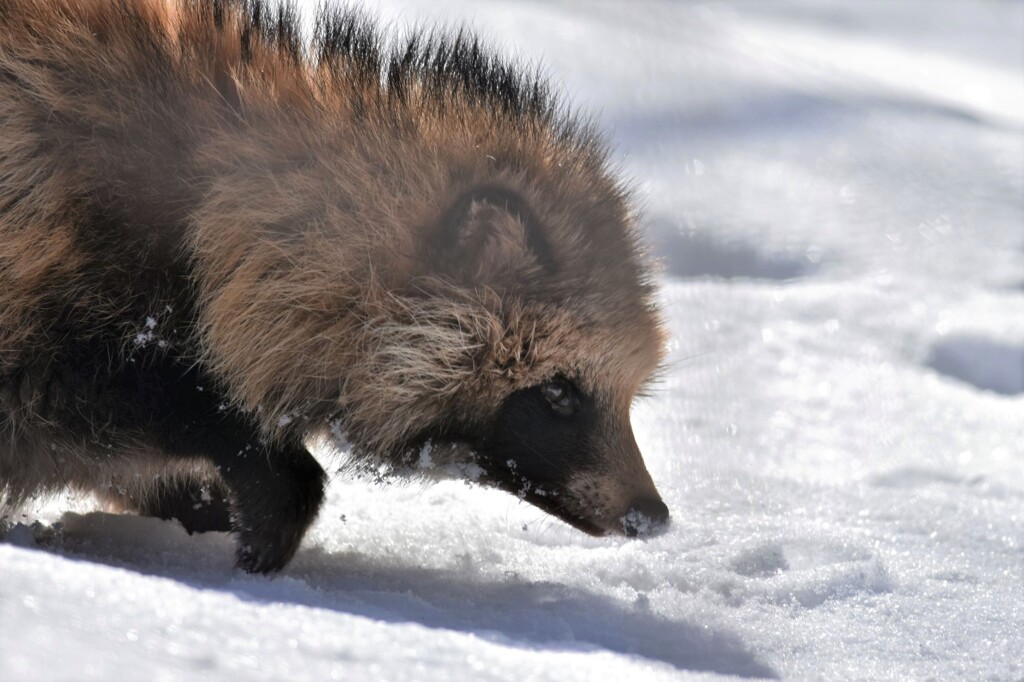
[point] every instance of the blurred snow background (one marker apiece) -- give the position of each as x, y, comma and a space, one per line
836, 191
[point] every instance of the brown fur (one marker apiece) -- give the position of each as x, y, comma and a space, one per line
276, 211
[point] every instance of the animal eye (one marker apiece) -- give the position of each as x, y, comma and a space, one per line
559, 395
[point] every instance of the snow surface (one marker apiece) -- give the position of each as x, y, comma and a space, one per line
837, 193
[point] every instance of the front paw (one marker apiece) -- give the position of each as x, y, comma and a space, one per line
268, 549
271, 518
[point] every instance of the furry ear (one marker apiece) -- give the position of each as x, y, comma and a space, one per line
490, 233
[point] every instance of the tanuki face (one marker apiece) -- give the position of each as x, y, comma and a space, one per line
577, 341
569, 454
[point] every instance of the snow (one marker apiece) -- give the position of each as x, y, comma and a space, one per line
836, 191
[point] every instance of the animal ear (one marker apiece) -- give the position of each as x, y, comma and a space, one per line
490, 233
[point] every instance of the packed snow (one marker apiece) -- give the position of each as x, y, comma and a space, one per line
836, 192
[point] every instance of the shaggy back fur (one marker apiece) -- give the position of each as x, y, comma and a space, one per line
394, 239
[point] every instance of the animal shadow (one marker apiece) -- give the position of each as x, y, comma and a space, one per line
511, 610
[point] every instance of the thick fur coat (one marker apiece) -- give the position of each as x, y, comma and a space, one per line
218, 240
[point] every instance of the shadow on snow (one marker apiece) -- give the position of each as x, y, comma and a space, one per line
510, 611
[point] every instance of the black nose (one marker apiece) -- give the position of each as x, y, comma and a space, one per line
646, 516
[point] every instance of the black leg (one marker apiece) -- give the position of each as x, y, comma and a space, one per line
274, 490
276, 493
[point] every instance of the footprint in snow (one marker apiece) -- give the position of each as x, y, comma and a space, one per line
984, 363
692, 254
807, 573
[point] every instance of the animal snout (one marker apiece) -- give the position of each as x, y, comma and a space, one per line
646, 516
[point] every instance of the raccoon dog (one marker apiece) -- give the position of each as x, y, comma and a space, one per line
219, 238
